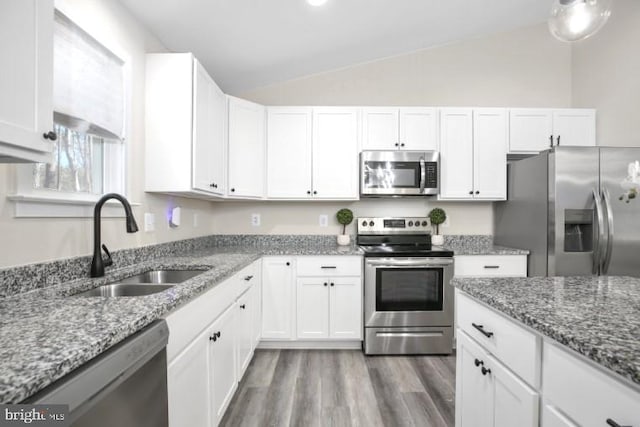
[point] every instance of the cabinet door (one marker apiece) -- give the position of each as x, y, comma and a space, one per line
419, 128
335, 153
380, 129
256, 289
312, 308
244, 330
209, 107
530, 129
490, 153
474, 391
552, 417
289, 153
26, 85
574, 127
246, 149
345, 308
456, 153
188, 385
515, 403
277, 298
222, 362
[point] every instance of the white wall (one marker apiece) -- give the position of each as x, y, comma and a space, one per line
39, 239
526, 67
606, 76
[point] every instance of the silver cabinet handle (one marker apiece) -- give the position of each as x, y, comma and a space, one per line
607, 254
598, 233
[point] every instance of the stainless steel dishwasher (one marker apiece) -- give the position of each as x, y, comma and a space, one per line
124, 386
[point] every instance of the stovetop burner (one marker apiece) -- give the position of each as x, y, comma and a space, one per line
398, 237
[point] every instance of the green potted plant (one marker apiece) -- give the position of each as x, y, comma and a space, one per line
437, 216
345, 217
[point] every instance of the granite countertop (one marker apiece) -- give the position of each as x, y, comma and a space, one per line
599, 317
478, 245
47, 333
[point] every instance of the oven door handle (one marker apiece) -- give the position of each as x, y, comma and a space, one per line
423, 175
411, 263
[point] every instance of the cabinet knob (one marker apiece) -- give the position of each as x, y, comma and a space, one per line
471, 192
213, 185
477, 192
325, 283
478, 362
309, 192
233, 190
50, 135
485, 371
315, 192
288, 263
243, 306
402, 145
397, 144
332, 284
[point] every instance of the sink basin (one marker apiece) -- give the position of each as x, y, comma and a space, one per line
124, 290
162, 276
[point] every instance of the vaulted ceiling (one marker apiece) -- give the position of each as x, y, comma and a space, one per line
245, 44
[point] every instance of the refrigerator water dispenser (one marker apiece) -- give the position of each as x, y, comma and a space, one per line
578, 230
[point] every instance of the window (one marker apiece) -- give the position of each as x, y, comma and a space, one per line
90, 112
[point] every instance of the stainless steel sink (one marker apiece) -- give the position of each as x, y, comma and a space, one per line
124, 290
162, 276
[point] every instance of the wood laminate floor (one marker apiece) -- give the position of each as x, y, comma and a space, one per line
343, 388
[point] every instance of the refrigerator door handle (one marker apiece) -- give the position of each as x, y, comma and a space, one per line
607, 253
599, 233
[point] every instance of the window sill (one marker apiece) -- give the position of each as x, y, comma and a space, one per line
37, 206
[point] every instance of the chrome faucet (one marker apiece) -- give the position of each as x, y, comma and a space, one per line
98, 264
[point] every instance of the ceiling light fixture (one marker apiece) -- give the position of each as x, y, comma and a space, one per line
316, 2
573, 20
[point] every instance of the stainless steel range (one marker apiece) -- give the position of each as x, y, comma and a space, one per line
408, 306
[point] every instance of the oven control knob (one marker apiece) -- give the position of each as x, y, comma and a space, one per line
371, 223
417, 223
424, 223
364, 223
410, 223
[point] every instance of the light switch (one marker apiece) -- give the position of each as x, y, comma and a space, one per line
149, 222
324, 220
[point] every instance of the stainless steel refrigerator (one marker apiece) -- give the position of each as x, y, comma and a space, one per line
571, 209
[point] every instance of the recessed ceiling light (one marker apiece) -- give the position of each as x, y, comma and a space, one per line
316, 2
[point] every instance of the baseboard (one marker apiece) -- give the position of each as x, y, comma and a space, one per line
311, 345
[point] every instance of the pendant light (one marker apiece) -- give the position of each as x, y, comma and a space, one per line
573, 20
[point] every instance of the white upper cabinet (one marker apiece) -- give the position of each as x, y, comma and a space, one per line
490, 153
246, 149
26, 82
209, 111
289, 136
390, 128
456, 153
335, 153
537, 129
473, 147
312, 153
185, 127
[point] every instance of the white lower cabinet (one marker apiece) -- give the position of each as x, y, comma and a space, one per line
490, 394
204, 367
222, 361
329, 307
278, 275
552, 417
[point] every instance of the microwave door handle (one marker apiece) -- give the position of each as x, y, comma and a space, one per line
423, 174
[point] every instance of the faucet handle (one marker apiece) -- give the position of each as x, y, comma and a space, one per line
107, 262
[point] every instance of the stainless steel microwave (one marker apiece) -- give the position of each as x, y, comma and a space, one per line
399, 173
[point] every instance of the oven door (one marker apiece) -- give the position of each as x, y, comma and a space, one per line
398, 173
408, 291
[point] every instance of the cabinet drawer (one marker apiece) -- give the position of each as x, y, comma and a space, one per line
509, 342
586, 394
329, 266
491, 265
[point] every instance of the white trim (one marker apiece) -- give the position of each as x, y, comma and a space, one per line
311, 345
28, 206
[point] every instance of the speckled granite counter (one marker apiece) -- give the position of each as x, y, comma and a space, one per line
47, 333
599, 317
478, 245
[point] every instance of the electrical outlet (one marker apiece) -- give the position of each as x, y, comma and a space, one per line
255, 219
196, 220
324, 220
149, 222
445, 224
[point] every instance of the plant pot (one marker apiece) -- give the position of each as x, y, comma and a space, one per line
437, 240
344, 239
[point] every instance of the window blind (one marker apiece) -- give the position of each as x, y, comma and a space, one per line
88, 90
